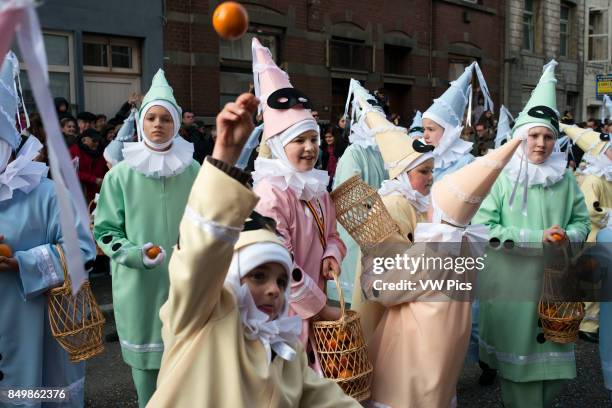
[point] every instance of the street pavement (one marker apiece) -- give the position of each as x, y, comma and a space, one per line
108, 383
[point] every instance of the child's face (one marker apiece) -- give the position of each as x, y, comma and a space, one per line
433, 132
540, 144
267, 284
158, 124
303, 151
421, 177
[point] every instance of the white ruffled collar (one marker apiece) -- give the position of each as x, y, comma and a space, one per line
451, 148
23, 173
275, 334
599, 166
361, 135
401, 186
171, 162
545, 174
307, 185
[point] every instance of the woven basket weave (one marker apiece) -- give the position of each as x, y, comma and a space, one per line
560, 318
76, 321
342, 351
360, 210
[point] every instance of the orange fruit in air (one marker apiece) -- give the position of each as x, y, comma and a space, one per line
230, 20
5, 250
153, 252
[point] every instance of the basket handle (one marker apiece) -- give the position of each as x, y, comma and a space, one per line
341, 299
62, 258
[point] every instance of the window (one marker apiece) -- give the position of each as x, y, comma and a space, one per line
598, 35
236, 72
111, 54
456, 67
529, 26
396, 60
60, 58
564, 29
240, 49
349, 55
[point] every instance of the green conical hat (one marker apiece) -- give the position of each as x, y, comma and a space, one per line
160, 90
542, 105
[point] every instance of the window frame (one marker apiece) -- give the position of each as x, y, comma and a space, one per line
531, 26
64, 69
568, 28
109, 41
589, 36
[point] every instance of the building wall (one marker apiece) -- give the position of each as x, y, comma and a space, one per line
592, 104
460, 29
141, 19
525, 67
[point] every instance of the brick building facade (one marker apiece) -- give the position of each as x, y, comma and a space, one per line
411, 48
539, 30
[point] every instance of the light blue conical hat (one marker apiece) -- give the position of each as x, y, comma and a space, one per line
448, 109
606, 108
9, 100
160, 90
416, 128
504, 128
542, 102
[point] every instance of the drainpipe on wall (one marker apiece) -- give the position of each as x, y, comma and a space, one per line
430, 55
506, 54
191, 59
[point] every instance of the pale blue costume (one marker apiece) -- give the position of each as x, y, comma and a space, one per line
452, 152
604, 239
29, 220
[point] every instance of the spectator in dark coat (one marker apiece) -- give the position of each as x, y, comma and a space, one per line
91, 165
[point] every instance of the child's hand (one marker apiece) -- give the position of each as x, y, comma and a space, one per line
330, 313
330, 267
234, 125
554, 235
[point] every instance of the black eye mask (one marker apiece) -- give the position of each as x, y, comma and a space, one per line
286, 98
421, 147
258, 221
416, 129
604, 137
544, 112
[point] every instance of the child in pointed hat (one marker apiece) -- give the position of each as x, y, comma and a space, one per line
442, 122
437, 332
30, 227
361, 157
292, 191
548, 205
141, 204
229, 341
596, 185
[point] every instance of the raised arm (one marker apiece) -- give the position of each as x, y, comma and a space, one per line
218, 204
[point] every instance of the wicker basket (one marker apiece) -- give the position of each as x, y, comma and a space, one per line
362, 213
76, 321
560, 317
342, 352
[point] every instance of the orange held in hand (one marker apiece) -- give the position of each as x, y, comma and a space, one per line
6, 251
153, 252
230, 20
557, 237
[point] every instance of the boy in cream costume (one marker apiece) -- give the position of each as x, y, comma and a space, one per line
229, 342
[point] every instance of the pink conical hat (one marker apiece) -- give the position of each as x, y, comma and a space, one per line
268, 77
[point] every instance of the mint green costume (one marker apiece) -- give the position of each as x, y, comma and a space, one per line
509, 330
